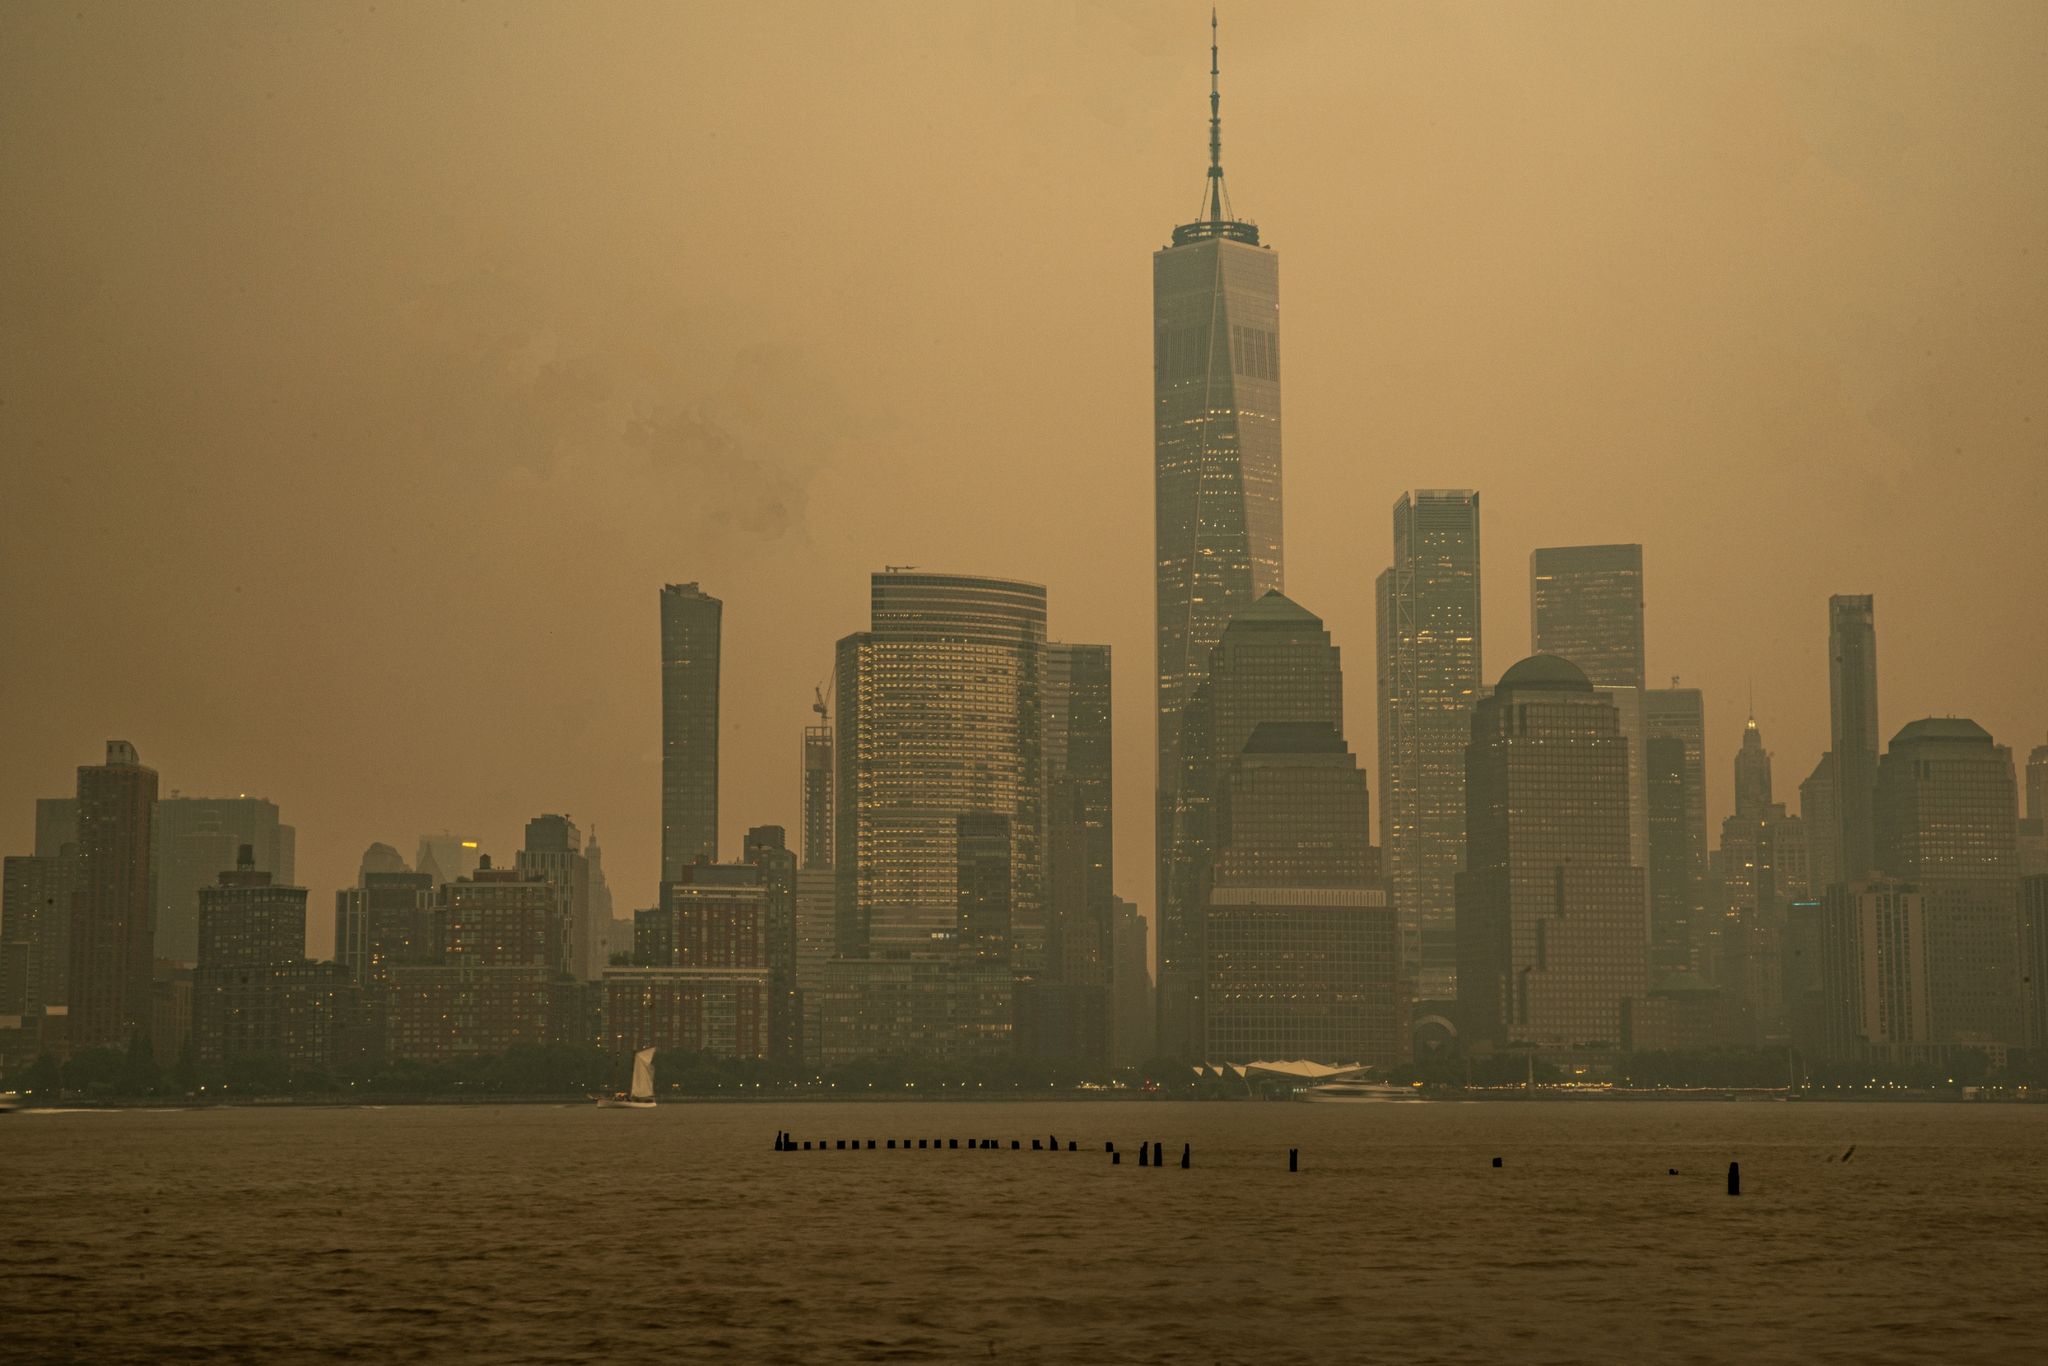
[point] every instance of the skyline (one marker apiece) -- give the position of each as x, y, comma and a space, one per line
405, 691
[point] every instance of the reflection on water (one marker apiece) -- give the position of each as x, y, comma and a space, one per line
574, 1234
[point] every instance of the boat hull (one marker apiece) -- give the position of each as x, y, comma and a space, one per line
623, 1103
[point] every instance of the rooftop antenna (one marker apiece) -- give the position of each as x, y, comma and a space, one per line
1219, 198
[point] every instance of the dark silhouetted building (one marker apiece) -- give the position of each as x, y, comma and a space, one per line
1852, 698
196, 837
254, 994
1274, 662
36, 896
2033, 901
1429, 679
1551, 947
767, 848
1874, 972
500, 978
1945, 807
389, 919
1301, 948
113, 918
691, 623
1133, 1017
1675, 726
554, 852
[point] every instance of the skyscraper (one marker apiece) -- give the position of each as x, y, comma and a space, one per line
1080, 844
194, 839
1852, 698
1550, 910
1216, 460
553, 851
1274, 662
1763, 869
1299, 943
35, 930
113, 920
1429, 676
1874, 971
767, 848
691, 622
1944, 808
940, 716
817, 792
1586, 605
1675, 722
1817, 809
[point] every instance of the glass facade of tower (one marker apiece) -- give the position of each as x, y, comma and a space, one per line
691, 622
113, 926
817, 796
1586, 605
1274, 662
1216, 475
1429, 674
940, 716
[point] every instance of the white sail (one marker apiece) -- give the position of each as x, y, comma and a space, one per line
643, 1075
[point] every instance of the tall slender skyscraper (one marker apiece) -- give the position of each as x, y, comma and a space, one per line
1080, 843
817, 791
113, 919
1429, 673
1586, 605
1675, 725
691, 621
1216, 455
1852, 697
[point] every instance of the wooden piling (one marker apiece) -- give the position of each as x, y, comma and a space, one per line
1187, 1152
1735, 1178
1294, 1159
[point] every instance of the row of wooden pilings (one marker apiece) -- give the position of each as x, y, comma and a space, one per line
1149, 1154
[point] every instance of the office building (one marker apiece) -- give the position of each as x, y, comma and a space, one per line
1875, 999
1429, 679
1133, 1019
1675, 786
601, 921
1274, 662
940, 716
56, 825
553, 851
701, 979
1301, 955
691, 624
253, 993
1944, 809
1763, 871
817, 792
767, 848
499, 977
113, 929
1817, 809
2033, 917
35, 930
194, 839
1217, 518
1551, 950
1852, 728
387, 920
1586, 605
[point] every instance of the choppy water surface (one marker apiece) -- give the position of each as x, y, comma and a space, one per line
554, 1234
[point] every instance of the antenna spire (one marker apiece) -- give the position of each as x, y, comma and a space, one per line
1216, 214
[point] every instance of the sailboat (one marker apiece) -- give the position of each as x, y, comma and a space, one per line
641, 1097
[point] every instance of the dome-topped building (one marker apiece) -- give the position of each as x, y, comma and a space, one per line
1551, 672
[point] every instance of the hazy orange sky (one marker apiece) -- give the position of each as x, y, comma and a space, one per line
365, 370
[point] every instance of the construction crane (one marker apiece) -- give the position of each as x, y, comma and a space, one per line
899, 568
818, 704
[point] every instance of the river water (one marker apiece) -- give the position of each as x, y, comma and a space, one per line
556, 1234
